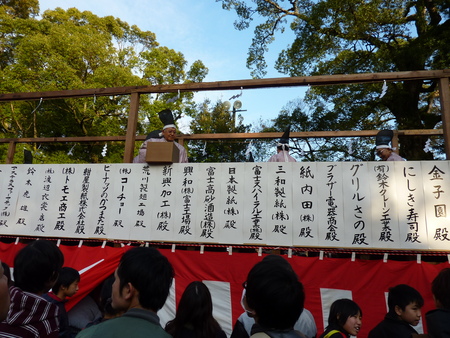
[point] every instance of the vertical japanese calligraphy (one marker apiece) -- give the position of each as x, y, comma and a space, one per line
279, 203
305, 205
209, 222
384, 207
162, 210
392, 205
331, 205
105, 177
410, 202
44, 200
232, 213
357, 206
255, 187
185, 224
436, 183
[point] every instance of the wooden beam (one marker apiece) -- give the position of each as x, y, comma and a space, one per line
319, 80
306, 134
131, 128
181, 137
444, 96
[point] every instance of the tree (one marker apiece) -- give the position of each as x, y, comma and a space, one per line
211, 119
78, 50
342, 37
299, 117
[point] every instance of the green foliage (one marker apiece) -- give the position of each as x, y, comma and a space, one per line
70, 49
297, 115
212, 120
354, 36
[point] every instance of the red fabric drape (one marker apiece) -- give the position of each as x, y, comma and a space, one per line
367, 280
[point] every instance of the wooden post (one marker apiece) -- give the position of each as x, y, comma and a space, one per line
394, 141
131, 128
11, 151
444, 96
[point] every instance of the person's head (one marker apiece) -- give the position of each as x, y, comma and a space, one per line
4, 294
195, 310
347, 315
7, 273
67, 283
105, 299
195, 303
37, 265
384, 152
169, 133
282, 147
274, 293
440, 287
405, 302
142, 279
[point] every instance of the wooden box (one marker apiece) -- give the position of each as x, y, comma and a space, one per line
162, 152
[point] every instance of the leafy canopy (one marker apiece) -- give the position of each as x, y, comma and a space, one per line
356, 36
70, 49
214, 119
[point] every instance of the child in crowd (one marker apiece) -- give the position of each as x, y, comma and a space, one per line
65, 286
36, 268
404, 303
438, 320
344, 319
107, 311
275, 297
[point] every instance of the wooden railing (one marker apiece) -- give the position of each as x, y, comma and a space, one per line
441, 75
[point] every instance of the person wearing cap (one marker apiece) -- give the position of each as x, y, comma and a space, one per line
166, 135
383, 149
282, 154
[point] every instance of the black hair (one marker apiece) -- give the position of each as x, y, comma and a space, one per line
195, 310
341, 310
7, 273
66, 277
149, 272
440, 287
402, 295
283, 147
105, 304
37, 265
274, 292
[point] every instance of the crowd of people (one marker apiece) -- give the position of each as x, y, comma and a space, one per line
272, 301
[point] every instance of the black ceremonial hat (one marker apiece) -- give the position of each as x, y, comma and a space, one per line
285, 138
383, 138
166, 118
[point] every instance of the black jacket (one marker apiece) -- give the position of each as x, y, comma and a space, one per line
391, 327
438, 323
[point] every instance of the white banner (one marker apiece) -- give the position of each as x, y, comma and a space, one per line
389, 205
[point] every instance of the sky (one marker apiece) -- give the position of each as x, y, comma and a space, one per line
201, 30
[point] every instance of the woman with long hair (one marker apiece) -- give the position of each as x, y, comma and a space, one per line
194, 318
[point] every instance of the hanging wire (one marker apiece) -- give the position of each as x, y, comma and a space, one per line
70, 152
204, 150
40, 102
236, 96
383, 89
104, 150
